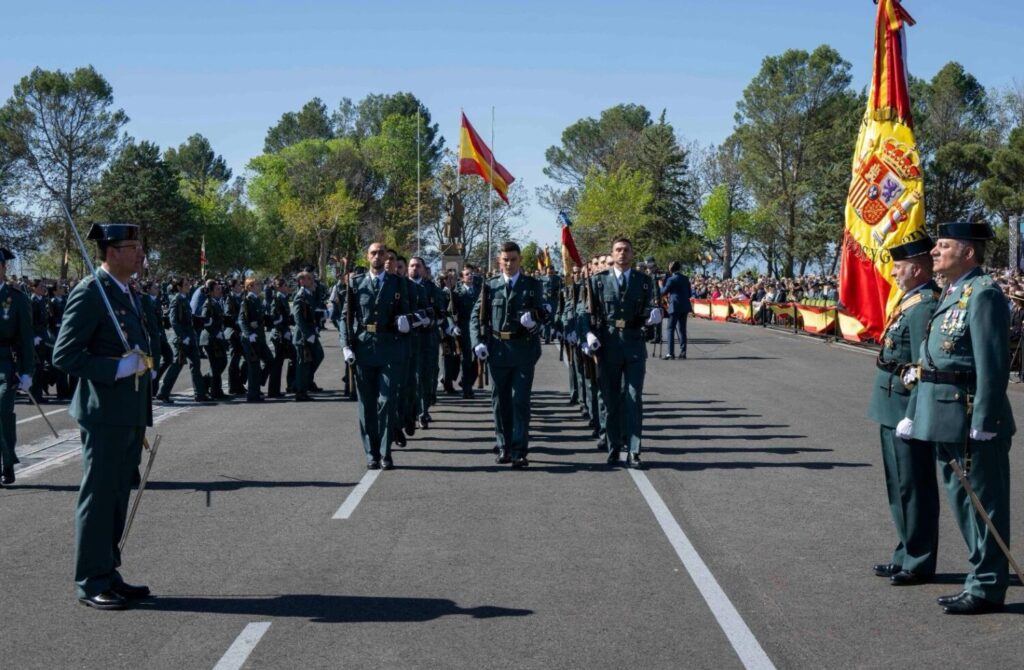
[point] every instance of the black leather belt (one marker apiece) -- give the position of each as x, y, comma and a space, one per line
891, 367
948, 377
509, 335
377, 328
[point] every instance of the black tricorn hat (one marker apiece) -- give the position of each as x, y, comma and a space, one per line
912, 249
113, 232
966, 231
6, 255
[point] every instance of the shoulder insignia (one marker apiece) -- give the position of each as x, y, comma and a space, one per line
968, 290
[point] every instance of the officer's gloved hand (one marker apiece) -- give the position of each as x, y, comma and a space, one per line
481, 351
186, 341
456, 331
287, 335
548, 308
655, 318
130, 365
572, 338
403, 324
592, 342
526, 320
911, 375
904, 428
25, 381
349, 355
311, 338
981, 435
252, 338
37, 340
585, 349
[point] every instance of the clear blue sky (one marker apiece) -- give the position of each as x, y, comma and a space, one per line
229, 70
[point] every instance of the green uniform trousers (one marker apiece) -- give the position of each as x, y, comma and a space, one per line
510, 403
621, 410
990, 477
913, 491
110, 462
188, 354
308, 356
8, 429
377, 393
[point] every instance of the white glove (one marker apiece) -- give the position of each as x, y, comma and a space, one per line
131, 364
585, 349
25, 381
527, 321
592, 342
252, 338
348, 355
186, 340
421, 321
910, 376
448, 330
547, 308
278, 320
980, 435
655, 318
220, 336
37, 340
287, 335
403, 324
904, 427
456, 331
481, 351
311, 338
572, 338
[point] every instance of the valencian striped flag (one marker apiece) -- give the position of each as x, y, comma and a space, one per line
475, 158
885, 206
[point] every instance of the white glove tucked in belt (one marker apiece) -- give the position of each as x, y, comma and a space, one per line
592, 342
981, 435
527, 321
403, 324
131, 364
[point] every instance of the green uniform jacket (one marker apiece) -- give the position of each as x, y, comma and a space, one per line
154, 323
304, 314
521, 346
901, 343
465, 300
180, 314
250, 317
620, 318
89, 348
16, 328
380, 308
970, 330
213, 322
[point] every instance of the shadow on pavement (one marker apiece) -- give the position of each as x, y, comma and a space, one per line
208, 487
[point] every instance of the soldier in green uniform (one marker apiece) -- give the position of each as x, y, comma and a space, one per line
17, 362
185, 344
961, 406
371, 330
113, 406
463, 299
405, 375
281, 337
155, 319
622, 305
253, 336
308, 350
429, 338
212, 338
508, 339
551, 285
909, 465
41, 340
236, 355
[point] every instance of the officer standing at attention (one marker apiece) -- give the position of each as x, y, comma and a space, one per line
308, 351
113, 407
623, 300
370, 339
961, 406
185, 344
508, 339
909, 465
17, 361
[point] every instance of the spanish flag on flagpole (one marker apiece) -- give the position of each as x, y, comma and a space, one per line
475, 158
885, 204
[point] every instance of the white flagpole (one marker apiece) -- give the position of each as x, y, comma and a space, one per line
458, 157
418, 218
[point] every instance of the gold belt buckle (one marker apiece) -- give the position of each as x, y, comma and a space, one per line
620, 323
505, 335
371, 328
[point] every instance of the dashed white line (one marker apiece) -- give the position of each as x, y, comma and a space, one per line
740, 636
349, 506
243, 645
36, 416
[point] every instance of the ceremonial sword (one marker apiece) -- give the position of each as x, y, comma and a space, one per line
35, 402
142, 487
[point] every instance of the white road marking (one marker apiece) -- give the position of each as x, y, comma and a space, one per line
349, 506
742, 639
239, 651
37, 415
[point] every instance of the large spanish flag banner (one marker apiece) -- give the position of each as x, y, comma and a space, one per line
475, 158
885, 205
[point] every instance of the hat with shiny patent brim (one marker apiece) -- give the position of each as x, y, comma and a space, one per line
6, 255
966, 231
113, 232
912, 249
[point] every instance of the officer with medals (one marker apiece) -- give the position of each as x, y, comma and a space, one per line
308, 350
961, 406
505, 327
375, 316
622, 305
113, 406
17, 361
909, 464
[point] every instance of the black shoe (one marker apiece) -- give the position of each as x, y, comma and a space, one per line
633, 461
387, 464
424, 422
450, 390
221, 396
468, 395
373, 465
129, 592
410, 429
683, 355
495, 449
520, 462
595, 433
972, 604
203, 398
668, 358
7, 478
572, 401
613, 458
400, 440
303, 397
314, 388
108, 600
602, 445
908, 578
275, 395
886, 569
165, 399
946, 600
258, 398
503, 457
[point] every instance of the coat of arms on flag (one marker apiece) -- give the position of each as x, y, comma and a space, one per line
880, 180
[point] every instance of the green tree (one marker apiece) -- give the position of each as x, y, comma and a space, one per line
612, 205
198, 164
312, 122
368, 119
1003, 192
62, 129
667, 163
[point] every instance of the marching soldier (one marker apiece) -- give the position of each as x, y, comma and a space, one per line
621, 306
280, 318
55, 314
449, 342
185, 344
909, 465
41, 340
17, 354
253, 337
406, 374
113, 408
212, 338
155, 318
424, 338
551, 285
961, 406
308, 351
463, 299
505, 326
236, 354
374, 317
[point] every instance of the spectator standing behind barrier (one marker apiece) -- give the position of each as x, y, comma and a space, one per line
677, 290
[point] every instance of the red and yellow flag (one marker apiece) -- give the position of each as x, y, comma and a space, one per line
476, 158
885, 204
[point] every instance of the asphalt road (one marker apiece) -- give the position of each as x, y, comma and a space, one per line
755, 547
